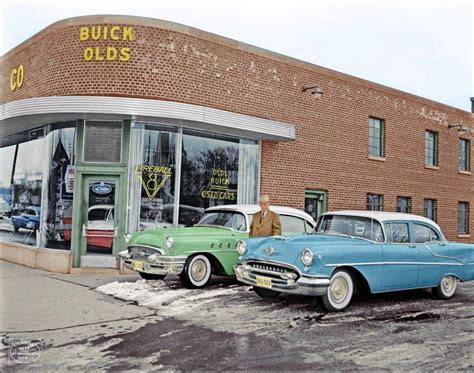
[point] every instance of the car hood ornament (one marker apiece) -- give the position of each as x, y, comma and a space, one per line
269, 250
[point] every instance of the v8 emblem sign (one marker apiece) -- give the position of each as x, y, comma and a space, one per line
152, 178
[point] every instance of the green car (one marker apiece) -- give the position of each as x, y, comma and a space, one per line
194, 253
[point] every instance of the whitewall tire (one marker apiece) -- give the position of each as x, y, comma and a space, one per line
339, 292
197, 272
446, 288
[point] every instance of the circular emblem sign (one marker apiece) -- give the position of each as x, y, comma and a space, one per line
102, 188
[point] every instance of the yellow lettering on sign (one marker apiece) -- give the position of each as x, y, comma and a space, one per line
127, 33
84, 33
106, 32
124, 54
16, 78
113, 34
88, 54
111, 54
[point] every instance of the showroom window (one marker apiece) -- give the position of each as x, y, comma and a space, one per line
57, 202
374, 202
177, 173
431, 148
430, 209
404, 204
21, 180
215, 170
463, 218
464, 155
376, 137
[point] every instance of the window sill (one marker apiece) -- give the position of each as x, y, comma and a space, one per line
375, 158
432, 167
464, 172
464, 235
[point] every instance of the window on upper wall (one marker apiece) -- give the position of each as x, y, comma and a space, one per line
464, 155
463, 218
374, 202
376, 137
430, 209
404, 204
431, 148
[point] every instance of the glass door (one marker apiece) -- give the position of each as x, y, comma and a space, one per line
315, 203
99, 224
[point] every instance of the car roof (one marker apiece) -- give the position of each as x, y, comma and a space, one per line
105, 207
383, 216
252, 209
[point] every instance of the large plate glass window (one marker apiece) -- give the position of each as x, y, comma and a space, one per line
21, 178
215, 170
59, 180
153, 176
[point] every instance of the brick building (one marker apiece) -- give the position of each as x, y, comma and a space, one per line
149, 122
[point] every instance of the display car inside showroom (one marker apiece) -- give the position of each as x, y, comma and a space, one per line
115, 124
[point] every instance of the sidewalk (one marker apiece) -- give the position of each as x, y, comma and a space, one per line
60, 308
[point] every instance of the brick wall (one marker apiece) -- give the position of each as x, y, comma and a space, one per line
178, 63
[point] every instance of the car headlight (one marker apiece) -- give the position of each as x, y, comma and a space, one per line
128, 236
307, 257
169, 242
241, 247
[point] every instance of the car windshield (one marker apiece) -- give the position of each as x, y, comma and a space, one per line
226, 219
354, 226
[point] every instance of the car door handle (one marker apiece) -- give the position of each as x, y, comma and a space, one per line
412, 246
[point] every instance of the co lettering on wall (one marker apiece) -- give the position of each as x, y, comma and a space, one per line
17, 76
109, 53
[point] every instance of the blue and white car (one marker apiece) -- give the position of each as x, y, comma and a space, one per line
351, 251
28, 218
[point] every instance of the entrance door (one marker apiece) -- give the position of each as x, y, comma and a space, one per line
315, 203
99, 220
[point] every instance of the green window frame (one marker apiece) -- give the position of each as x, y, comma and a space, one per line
404, 204
464, 155
430, 209
431, 148
374, 202
463, 218
376, 137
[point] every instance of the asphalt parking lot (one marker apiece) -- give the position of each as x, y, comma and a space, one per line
125, 323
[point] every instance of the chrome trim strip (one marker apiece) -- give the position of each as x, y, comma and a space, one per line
138, 107
441, 256
393, 263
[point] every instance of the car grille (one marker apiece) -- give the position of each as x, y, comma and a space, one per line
279, 273
141, 252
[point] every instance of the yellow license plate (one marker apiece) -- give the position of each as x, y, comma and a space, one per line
137, 266
264, 282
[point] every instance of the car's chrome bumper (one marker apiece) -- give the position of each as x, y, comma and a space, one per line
304, 285
162, 265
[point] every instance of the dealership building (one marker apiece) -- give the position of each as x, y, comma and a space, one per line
114, 124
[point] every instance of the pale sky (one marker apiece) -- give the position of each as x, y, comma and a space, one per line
424, 47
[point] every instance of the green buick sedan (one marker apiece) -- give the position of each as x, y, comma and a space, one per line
209, 247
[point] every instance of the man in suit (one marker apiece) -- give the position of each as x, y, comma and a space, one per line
265, 222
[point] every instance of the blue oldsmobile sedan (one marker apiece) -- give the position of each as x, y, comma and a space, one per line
353, 251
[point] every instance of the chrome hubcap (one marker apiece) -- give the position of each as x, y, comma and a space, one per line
198, 270
339, 290
448, 283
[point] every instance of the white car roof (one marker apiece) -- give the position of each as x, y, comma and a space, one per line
252, 209
382, 216
104, 207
